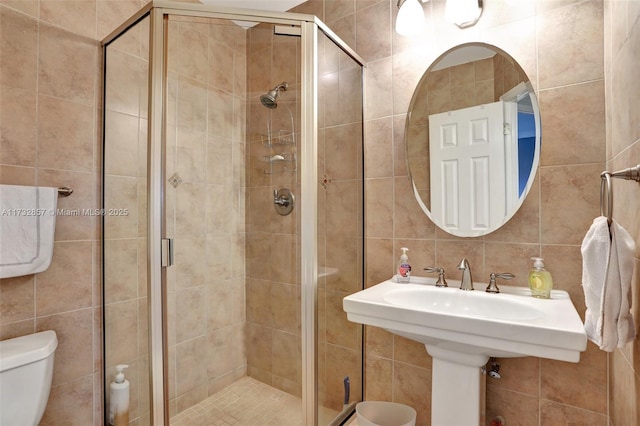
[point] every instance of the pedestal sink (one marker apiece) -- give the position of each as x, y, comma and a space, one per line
463, 329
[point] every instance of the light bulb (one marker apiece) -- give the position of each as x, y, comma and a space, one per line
410, 20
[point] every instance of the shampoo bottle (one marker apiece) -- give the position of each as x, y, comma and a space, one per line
404, 268
540, 281
119, 399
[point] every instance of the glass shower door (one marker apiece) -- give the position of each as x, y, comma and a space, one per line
340, 225
203, 140
205, 208
124, 249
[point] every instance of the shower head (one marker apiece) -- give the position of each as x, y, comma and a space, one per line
270, 99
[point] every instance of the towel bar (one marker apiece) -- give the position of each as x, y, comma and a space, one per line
606, 194
64, 191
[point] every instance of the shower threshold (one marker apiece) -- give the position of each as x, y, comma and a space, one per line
248, 402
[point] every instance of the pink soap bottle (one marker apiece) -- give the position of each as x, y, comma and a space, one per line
404, 268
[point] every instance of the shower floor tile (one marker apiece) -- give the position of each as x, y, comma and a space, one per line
248, 402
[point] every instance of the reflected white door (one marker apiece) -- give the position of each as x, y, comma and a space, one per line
467, 157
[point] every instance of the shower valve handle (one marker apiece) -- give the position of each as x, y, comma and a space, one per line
280, 200
283, 201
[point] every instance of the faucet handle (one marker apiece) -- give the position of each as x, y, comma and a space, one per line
440, 271
493, 287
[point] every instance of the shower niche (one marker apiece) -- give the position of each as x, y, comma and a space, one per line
207, 288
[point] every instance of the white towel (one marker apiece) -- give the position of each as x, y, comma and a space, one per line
27, 227
620, 272
607, 268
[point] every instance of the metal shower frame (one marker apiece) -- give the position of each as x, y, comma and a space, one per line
310, 26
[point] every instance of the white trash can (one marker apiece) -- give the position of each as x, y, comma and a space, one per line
382, 413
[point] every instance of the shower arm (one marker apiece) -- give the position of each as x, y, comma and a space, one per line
284, 86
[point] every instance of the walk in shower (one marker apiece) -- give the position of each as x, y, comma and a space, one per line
233, 225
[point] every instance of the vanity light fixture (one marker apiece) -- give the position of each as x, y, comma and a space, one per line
463, 13
410, 20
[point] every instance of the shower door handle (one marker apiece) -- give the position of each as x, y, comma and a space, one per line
166, 250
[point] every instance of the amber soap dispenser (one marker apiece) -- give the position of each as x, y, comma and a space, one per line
540, 281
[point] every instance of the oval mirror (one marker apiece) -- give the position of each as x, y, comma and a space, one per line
472, 139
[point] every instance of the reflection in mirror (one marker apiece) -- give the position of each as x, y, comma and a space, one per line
472, 139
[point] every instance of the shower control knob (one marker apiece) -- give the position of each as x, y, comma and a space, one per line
283, 201
280, 200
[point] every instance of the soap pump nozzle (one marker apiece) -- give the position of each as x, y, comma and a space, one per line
538, 263
404, 256
120, 376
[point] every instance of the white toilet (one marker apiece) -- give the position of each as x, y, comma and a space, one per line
26, 369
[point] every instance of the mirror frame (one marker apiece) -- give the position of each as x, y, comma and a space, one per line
536, 156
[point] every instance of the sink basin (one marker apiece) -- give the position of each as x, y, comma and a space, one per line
508, 324
463, 329
448, 301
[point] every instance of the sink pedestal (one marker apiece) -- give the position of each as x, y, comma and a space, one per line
457, 387
462, 329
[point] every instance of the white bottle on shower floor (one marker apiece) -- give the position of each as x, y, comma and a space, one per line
119, 399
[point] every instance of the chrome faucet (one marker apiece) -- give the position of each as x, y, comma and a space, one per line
467, 281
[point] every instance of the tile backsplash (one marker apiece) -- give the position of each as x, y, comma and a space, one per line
560, 46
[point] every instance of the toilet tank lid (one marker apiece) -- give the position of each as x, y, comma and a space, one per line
27, 349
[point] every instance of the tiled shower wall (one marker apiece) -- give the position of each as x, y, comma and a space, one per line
273, 291
273, 287
622, 54
559, 44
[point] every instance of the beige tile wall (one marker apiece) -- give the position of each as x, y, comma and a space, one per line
49, 127
559, 44
622, 54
